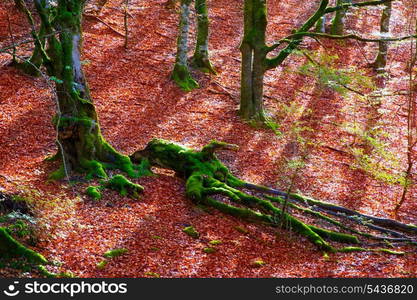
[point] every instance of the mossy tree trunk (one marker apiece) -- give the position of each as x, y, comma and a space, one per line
81, 145
181, 73
209, 182
201, 58
381, 58
339, 18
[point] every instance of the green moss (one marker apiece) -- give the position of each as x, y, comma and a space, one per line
9, 247
94, 168
209, 250
102, 264
44, 271
215, 242
58, 174
258, 263
93, 192
182, 77
205, 175
71, 121
115, 252
152, 274
20, 229
190, 230
124, 186
335, 236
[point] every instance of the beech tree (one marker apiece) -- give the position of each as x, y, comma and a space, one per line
81, 146
381, 58
339, 18
200, 60
255, 51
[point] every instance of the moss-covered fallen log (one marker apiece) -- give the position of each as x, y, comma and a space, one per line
209, 182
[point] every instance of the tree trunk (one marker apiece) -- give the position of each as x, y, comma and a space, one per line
381, 59
338, 20
321, 25
81, 145
201, 54
181, 73
254, 52
254, 56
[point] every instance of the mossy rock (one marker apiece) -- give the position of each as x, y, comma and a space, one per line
190, 230
45, 272
115, 252
215, 242
94, 192
258, 263
102, 264
152, 274
209, 250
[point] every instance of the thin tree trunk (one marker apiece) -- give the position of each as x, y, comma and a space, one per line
201, 54
411, 126
181, 73
338, 20
381, 59
321, 25
253, 61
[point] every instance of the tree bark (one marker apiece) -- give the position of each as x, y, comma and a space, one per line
253, 50
381, 58
181, 73
201, 58
81, 145
254, 56
321, 25
337, 27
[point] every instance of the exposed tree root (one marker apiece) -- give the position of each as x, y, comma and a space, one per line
11, 248
209, 182
340, 210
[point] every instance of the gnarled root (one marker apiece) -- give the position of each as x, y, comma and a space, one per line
209, 182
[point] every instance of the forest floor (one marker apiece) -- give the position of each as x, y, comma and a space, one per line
136, 101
